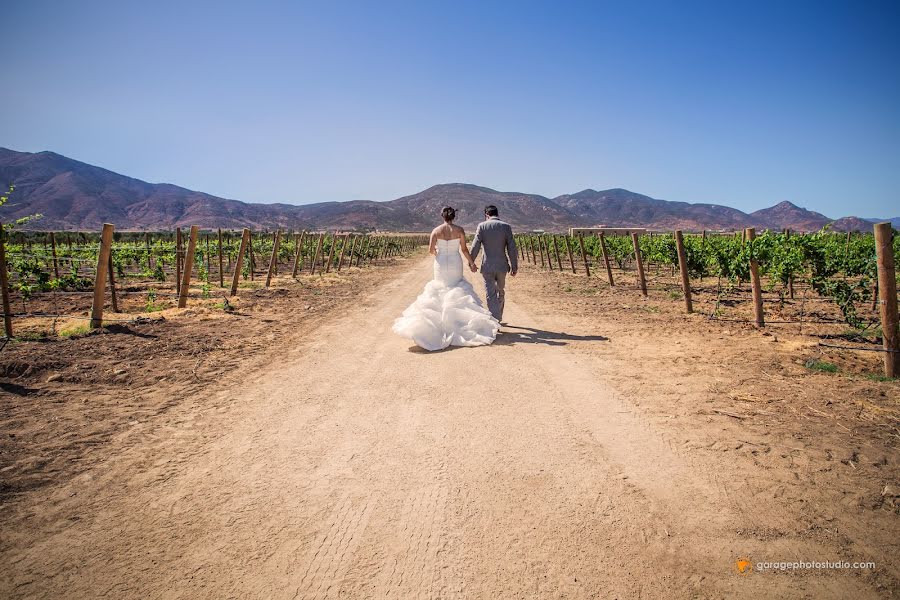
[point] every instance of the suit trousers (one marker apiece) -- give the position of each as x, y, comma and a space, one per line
494, 284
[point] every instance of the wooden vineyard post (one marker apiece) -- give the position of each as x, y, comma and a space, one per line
221, 270
344, 245
364, 250
53, 249
374, 250
178, 260
275, 269
887, 288
360, 243
272, 261
239, 263
640, 263
359, 250
4, 287
352, 250
331, 252
252, 257
147, 244
759, 318
533, 254
787, 235
100, 277
569, 252
208, 265
540, 245
299, 252
112, 286
683, 267
556, 250
188, 267
605, 253
587, 267
316, 255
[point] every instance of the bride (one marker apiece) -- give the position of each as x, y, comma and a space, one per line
447, 312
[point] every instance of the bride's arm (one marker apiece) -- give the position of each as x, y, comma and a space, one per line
465, 249
432, 243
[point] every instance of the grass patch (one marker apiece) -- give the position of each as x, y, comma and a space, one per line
224, 305
79, 329
822, 366
881, 378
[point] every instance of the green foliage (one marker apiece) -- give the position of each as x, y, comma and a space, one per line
822, 366
836, 267
72, 281
152, 306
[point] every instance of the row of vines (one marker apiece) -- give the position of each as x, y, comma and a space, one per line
840, 268
50, 265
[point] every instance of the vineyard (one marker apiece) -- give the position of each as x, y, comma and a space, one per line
54, 277
653, 406
776, 278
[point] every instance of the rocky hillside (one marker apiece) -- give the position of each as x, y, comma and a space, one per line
72, 195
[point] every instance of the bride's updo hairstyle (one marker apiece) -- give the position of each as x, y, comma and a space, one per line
448, 213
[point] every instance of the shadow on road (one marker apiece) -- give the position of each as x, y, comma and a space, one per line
513, 334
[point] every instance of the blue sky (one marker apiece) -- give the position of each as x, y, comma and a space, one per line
739, 103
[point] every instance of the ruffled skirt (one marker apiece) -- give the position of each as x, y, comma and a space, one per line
447, 315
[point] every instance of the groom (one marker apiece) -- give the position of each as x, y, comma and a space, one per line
497, 239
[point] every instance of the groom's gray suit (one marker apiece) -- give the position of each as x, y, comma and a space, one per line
500, 257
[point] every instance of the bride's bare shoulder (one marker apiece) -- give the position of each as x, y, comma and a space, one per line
459, 231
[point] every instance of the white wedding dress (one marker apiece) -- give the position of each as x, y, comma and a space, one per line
447, 312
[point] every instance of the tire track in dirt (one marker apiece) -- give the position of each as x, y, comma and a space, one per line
332, 552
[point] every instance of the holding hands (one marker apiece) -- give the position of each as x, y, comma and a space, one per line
472, 266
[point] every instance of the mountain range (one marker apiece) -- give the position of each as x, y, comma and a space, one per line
73, 195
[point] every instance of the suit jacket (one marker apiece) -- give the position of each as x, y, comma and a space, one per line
500, 255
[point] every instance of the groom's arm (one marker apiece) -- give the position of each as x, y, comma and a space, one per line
476, 245
512, 252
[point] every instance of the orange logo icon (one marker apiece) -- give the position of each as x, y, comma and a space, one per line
744, 566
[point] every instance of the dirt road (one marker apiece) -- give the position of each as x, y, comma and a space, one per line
359, 467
